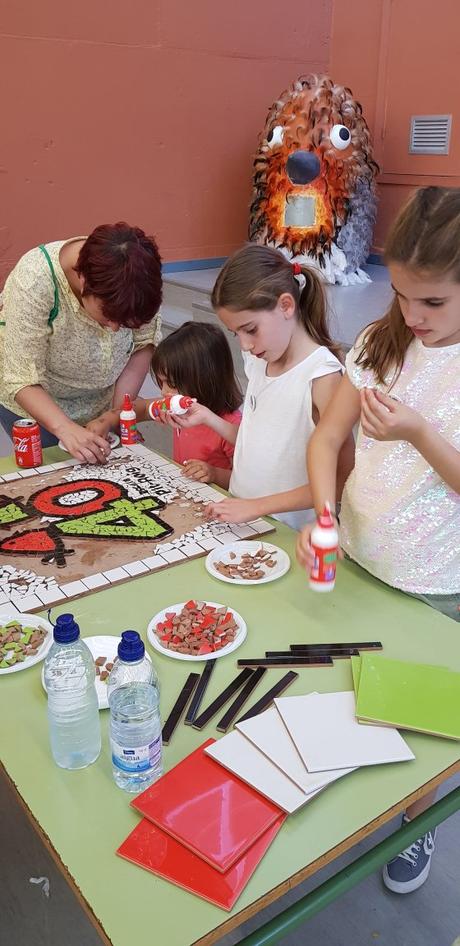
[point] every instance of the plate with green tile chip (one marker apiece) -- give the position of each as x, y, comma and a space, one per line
25, 640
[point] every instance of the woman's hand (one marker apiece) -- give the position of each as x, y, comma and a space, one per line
104, 424
304, 552
384, 418
198, 470
83, 444
233, 510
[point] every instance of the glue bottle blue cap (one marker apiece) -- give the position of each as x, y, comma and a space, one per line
131, 647
66, 629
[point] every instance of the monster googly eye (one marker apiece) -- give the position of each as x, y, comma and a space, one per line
340, 137
275, 136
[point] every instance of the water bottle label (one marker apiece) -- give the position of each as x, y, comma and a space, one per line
138, 758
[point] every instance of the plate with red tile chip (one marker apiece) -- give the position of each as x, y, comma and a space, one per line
196, 630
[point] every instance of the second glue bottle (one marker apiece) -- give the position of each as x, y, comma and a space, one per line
324, 541
135, 727
128, 430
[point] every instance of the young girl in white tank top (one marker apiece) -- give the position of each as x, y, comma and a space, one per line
277, 310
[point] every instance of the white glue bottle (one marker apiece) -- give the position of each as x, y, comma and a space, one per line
128, 431
324, 541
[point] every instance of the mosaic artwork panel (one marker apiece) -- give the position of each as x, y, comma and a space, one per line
68, 529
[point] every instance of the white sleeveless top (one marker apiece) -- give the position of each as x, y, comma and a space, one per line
399, 519
276, 426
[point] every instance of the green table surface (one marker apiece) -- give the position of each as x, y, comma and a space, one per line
85, 816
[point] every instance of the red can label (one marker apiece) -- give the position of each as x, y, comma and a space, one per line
324, 566
128, 432
27, 443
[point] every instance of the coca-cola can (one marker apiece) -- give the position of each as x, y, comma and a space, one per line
27, 442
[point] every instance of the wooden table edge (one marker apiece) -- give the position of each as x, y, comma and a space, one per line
274, 894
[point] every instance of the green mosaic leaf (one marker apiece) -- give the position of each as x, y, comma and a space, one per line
122, 519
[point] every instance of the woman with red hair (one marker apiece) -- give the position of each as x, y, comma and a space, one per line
79, 322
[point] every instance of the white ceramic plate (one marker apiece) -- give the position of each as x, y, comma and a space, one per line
177, 608
113, 439
101, 646
283, 562
28, 620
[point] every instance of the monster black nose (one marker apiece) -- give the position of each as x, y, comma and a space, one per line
302, 167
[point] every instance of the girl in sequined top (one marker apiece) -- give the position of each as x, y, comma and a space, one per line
400, 514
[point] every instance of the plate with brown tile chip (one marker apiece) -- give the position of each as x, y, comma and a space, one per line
25, 639
248, 563
104, 650
196, 630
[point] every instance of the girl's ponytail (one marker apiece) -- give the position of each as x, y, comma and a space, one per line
312, 307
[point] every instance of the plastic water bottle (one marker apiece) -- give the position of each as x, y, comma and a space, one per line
73, 708
135, 727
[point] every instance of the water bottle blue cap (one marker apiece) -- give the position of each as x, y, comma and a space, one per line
131, 647
66, 629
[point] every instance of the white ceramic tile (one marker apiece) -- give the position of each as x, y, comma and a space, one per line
268, 733
95, 581
173, 556
47, 468
190, 549
244, 531
115, 574
26, 602
135, 568
3, 598
210, 544
74, 588
60, 465
50, 596
238, 755
328, 736
30, 472
261, 526
211, 495
154, 562
11, 476
227, 537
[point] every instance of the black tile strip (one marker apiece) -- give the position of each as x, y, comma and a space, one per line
199, 692
179, 707
354, 645
266, 700
217, 704
292, 660
237, 704
327, 652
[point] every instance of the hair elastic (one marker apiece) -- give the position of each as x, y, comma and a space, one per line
298, 275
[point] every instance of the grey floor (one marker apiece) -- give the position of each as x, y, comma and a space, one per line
365, 916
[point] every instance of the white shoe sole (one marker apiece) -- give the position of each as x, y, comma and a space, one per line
408, 886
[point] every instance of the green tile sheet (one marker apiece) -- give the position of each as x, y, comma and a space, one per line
415, 696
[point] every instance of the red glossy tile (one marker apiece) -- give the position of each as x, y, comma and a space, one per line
208, 809
151, 848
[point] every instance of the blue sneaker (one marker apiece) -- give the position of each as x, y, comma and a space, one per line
409, 870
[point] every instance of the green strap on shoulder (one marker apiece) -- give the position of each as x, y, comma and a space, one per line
55, 310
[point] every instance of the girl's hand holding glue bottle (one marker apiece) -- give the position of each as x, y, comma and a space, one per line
318, 550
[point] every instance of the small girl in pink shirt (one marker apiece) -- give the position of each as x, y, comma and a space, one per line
195, 360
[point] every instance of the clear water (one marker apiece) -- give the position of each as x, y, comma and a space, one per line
73, 710
135, 735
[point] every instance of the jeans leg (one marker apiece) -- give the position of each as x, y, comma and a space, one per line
7, 419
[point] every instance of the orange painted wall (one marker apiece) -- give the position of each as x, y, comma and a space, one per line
400, 58
147, 111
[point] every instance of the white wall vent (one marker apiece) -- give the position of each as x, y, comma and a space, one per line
430, 134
